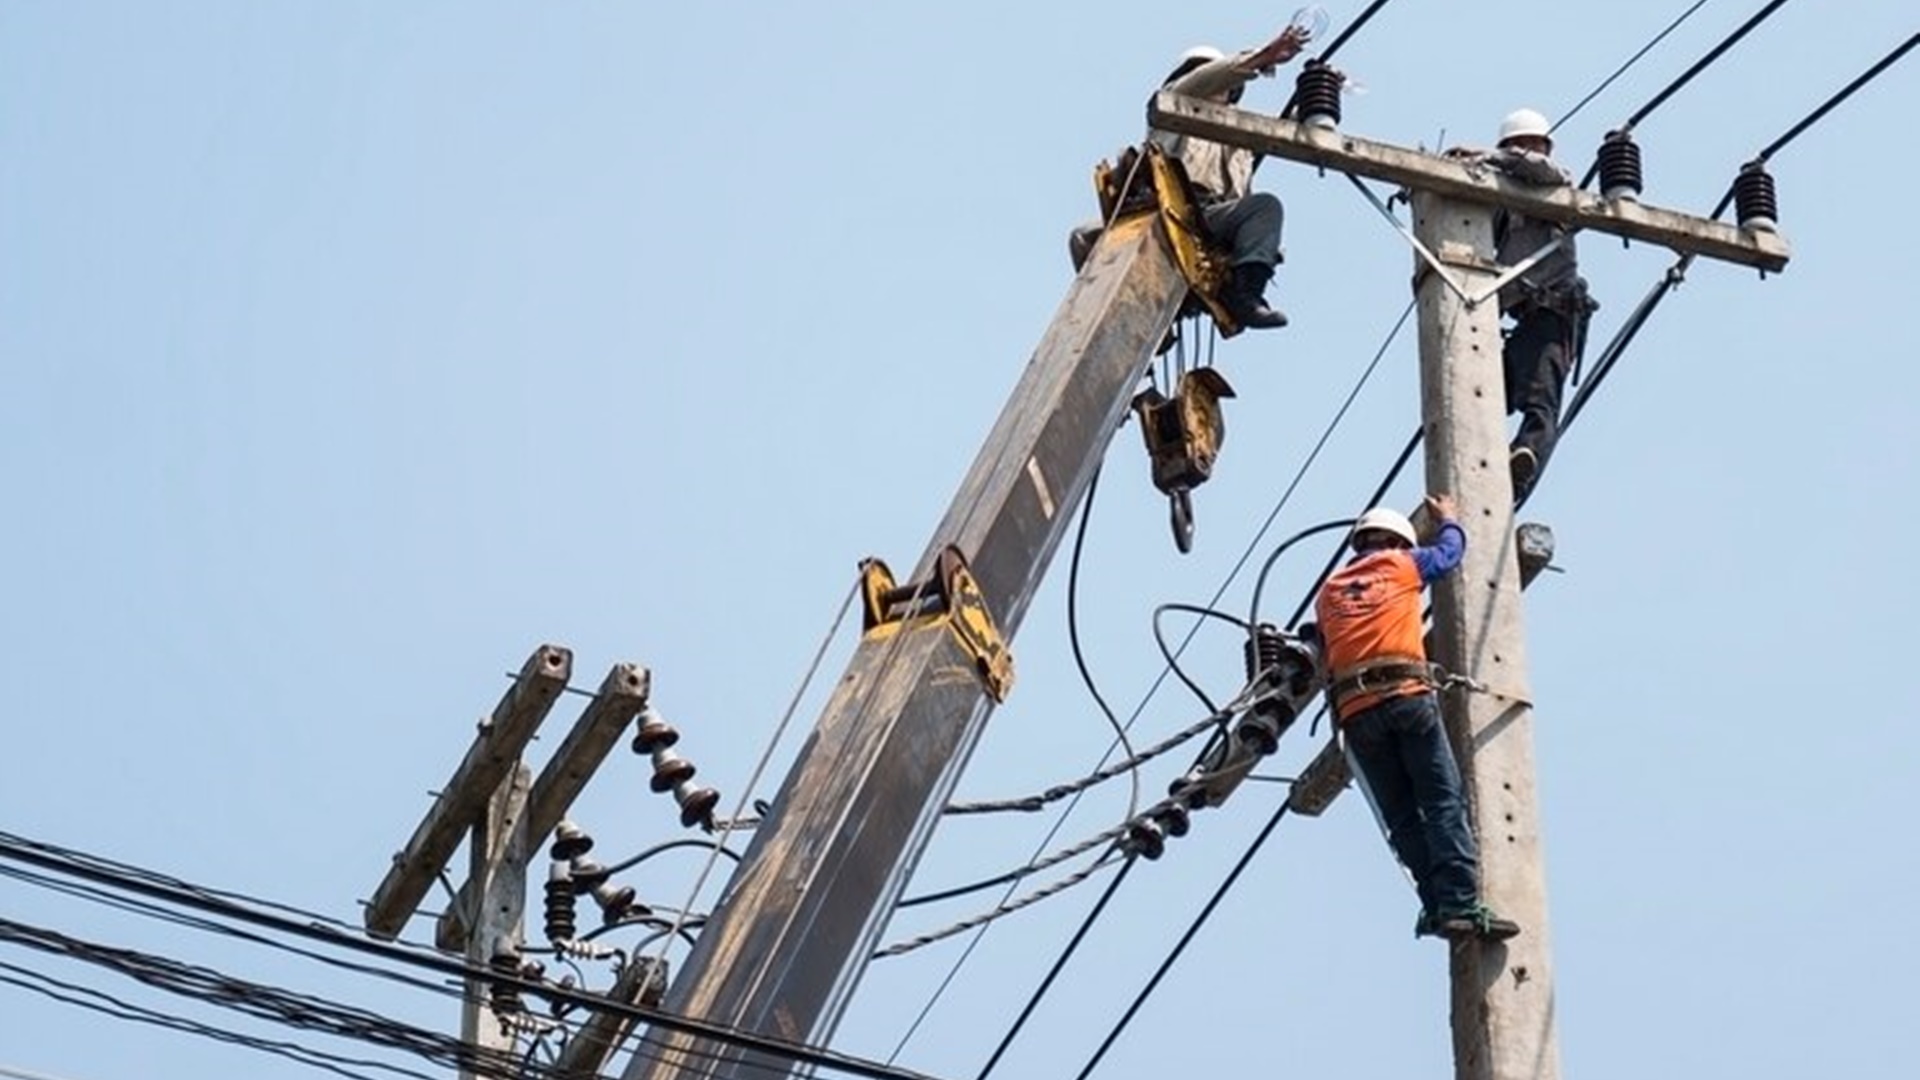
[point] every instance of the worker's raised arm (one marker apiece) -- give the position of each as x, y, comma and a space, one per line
1284, 47
1442, 557
1228, 73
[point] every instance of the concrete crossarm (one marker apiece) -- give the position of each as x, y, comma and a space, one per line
1415, 169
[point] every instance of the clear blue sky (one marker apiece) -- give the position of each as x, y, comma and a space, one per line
354, 349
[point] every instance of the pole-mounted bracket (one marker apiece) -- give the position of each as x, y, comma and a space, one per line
952, 595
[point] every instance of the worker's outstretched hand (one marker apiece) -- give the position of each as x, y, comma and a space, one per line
1280, 50
1441, 507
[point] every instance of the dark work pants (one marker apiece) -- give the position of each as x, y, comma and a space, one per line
1400, 747
1537, 357
1248, 227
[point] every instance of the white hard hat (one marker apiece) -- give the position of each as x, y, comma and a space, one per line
1384, 520
1521, 122
1202, 53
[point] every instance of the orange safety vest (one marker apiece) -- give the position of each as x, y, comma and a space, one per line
1369, 612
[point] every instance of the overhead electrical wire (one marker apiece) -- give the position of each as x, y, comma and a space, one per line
1706, 61
1641, 314
1193, 929
1828, 106
1047, 891
760, 766
1676, 273
1399, 464
1041, 800
1246, 555
1053, 973
98, 871
1625, 67
99, 895
154, 911
110, 1006
1353, 28
257, 1001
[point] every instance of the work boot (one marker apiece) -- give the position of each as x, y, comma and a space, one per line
1478, 921
1245, 297
1525, 469
1426, 924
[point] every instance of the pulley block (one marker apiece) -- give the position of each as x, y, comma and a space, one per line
1183, 435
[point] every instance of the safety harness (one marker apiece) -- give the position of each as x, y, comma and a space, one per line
1379, 674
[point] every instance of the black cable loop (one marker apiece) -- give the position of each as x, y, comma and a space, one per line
670, 845
1260, 583
1173, 662
1073, 635
1379, 493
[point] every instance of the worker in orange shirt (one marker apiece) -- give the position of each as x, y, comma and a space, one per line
1383, 695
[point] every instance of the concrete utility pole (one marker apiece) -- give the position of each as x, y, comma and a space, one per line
493, 796
1503, 996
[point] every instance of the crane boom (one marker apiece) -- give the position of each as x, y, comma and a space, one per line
812, 894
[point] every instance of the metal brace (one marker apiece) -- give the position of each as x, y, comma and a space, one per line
1434, 262
952, 595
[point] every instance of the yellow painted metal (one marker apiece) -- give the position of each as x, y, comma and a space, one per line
1204, 266
952, 597
1184, 433
1151, 182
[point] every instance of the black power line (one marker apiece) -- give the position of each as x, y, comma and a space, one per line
1180, 947
1153, 689
103, 872
1634, 323
1676, 273
1702, 64
1687, 76
1352, 29
1828, 106
1627, 66
1059, 964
